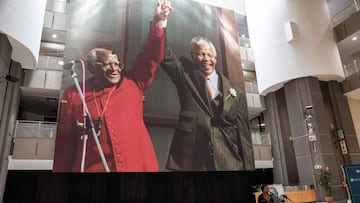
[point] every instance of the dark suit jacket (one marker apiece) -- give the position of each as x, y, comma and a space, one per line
200, 133
261, 199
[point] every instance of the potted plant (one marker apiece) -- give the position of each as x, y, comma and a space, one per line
325, 177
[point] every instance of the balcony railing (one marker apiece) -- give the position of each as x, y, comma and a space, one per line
262, 147
34, 140
261, 138
245, 49
352, 68
345, 13
251, 87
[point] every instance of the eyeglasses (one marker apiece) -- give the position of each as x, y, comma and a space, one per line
107, 65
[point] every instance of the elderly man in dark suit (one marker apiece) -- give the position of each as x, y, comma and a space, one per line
211, 133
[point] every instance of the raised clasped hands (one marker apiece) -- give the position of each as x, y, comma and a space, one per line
162, 11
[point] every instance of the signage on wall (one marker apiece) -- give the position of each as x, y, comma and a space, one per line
340, 134
343, 147
312, 137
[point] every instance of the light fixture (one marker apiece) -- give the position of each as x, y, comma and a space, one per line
310, 133
354, 38
61, 62
307, 112
54, 36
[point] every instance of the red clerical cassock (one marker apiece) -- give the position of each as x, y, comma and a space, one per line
117, 112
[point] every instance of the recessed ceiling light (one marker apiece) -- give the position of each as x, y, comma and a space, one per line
354, 38
54, 36
61, 62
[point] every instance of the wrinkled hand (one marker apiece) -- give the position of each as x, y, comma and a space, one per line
162, 11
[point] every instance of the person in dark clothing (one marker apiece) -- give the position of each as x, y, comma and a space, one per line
212, 133
265, 197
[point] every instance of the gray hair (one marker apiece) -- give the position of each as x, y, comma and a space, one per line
92, 57
196, 41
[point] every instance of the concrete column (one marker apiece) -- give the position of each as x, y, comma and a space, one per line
273, 120
304, 96
277, 119
344, 121
8, 121
5, 54
9, 104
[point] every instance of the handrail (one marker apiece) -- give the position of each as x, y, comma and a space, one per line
345, 13
352, 68
26, 128
30, 121
261, 138
34, 140
251, 87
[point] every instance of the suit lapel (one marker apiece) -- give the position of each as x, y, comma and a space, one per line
224, 88
197, 85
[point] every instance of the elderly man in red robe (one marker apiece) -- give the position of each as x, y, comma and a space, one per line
114, 98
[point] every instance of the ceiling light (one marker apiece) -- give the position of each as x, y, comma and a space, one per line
54, 36
61, 62
354, 38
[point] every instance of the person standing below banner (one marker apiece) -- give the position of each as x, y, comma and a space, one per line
212, 133
114, 97
265, 197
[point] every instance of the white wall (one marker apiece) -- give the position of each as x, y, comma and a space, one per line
236, 5
22, 21
313, 51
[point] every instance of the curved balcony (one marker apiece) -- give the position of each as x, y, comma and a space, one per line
33, 146
22, 23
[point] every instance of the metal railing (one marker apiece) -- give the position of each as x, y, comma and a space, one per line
244, 42
345, 13
246, 51
251, 87
261, 138
262, 146
34, 140
25, 128
352, 68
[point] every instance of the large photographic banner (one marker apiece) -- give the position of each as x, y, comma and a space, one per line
125, 77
